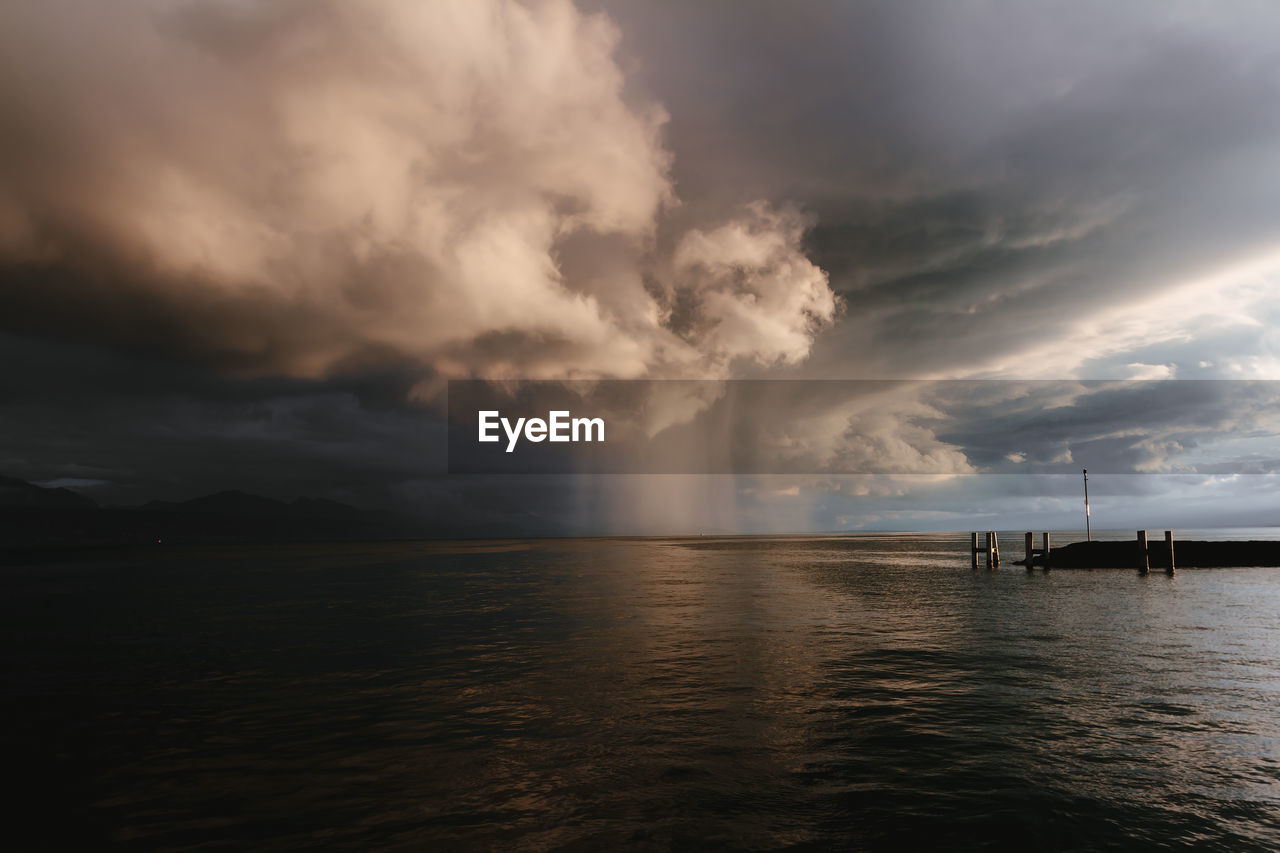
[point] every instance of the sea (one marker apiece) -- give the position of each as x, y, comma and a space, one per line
851, 692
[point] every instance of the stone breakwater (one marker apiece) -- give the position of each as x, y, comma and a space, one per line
1187, 554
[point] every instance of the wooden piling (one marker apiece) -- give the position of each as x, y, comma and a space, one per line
1047, 549
1144, 565
973, 548
991, 554
1029, 546
1168, 543
995, 547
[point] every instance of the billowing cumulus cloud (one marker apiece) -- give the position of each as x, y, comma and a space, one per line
303, 187
747, 291
292, 219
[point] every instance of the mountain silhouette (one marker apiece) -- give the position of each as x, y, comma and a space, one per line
35, 517
20, 493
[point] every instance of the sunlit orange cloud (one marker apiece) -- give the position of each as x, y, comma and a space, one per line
300, 187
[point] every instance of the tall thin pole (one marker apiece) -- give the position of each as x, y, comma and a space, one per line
1088, 533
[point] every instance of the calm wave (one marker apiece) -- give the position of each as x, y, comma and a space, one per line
798, 693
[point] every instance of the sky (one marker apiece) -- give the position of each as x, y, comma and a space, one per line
246, 245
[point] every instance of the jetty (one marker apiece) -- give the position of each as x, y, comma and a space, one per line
1137, 553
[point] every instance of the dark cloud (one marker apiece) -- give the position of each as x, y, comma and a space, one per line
984, 175
153, 428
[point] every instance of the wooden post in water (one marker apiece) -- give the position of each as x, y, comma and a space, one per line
1168, 543
995, 545
1029, 541
1143, 565
973, 548
991, 554
1046, 549
1088, 531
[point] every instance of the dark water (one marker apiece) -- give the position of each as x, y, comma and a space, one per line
805, 693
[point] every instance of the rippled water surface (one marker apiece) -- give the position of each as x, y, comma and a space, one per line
802, 693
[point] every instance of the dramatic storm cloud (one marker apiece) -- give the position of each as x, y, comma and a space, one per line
250, 239
1017, 189
297, 188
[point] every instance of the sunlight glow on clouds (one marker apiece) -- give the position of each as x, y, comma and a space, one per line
394, 180
1245, 295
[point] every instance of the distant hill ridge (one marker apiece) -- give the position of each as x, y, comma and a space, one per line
20, 493
34, 516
